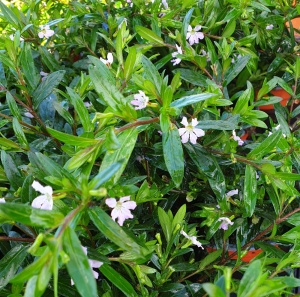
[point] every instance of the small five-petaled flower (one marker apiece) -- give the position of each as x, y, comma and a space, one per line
140, 100
225, 222
44, 201
189, 132
193, 35
121, 208
45, 32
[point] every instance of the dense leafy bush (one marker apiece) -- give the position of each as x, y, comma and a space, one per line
136, 159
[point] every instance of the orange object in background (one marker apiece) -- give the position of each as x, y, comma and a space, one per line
247, 258
296, 25
279, 92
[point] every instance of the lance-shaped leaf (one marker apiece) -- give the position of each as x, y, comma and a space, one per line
250, 190
149, 35
188, 100
78, 266
10, 263
27, 215
47, 86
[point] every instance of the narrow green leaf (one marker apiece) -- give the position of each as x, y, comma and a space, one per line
73, 140
266, 146
152, 74
210, 258
130, 62
28, 215
20, 134
105, 84
250, 190
173, 155
105, 175
28, 66
188, 100
251, 275
9, 144
81, 110
185, 24
235, 69
47, 86
165, 223
10, 16
178, 218
48, 59
127, 140
118, 280
230, 124
13, 105
11, 170
10, 263
78, 266
116, 234
149, 35
192, 77
213, 290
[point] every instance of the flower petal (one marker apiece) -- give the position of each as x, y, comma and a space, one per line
194, 122
42, 202
184, 121
199, 132
193, 138
111, 202
125, 198
185, 137
130, 204
197, 28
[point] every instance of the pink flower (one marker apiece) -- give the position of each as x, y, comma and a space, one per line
140, 100
232, 192
189, 132
193, 35
225, 222
121, 208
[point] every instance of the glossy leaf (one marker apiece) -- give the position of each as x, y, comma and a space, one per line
152, 74
20, 134
235, 69
130, 63
149, 35
250, 190
192, 77
118, 280
213, 290
13, 105
188, 100
10, 263
47, 86
117, 235
78, 265
266, 146
28, 215
173, 155
127, 140
81, 110
165, 222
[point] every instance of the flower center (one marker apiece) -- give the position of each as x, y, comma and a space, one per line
189, 128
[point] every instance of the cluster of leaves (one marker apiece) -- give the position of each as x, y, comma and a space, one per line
67, 121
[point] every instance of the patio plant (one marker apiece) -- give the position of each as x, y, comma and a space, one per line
123, 168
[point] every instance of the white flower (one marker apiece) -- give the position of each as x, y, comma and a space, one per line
193, 35
193, 239
12, 37
45, 32
121, 209
232, 192
110, 59
174, 55
225, 222
237, 138
43, 75
190, 132
87, 104
93, 264
44, 201
165, 4
2, 200
270, 27
140, 100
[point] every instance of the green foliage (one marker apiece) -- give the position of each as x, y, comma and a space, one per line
148, 149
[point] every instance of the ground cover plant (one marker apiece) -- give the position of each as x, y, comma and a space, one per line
136, 157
